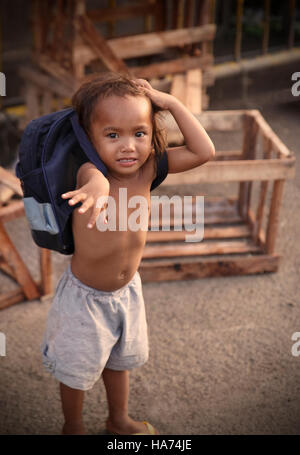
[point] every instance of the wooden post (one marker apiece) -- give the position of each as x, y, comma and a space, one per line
263, 194
46, 271
273, 221
249, 149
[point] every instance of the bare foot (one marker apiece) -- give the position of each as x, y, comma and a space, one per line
127, 426
70, 428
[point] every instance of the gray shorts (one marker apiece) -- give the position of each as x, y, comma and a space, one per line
89, 330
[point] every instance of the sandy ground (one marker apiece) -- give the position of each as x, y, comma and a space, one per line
220, 348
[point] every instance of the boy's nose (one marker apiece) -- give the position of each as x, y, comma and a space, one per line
127, 145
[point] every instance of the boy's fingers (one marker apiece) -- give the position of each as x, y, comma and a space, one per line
67, 195
87, 204
77, 198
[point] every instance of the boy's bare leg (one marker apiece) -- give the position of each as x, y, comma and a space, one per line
72, 404
117, 391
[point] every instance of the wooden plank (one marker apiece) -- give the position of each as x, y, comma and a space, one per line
198, 248
184, 270
172, 66
10, 180
99, 45
194, 91
235, 171
209, 233
15, 261
149, 43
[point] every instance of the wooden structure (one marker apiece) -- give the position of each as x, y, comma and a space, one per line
11, 263
58, 69
239, 232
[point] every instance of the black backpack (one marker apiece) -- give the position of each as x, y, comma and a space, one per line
52, 149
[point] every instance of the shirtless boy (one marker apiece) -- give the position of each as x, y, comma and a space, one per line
97, 324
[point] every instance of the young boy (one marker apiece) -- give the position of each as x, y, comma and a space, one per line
97, 324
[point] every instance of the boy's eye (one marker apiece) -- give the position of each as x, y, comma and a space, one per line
140, 134
112, 135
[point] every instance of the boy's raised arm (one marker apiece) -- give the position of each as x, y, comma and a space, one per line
199, 148
91, 184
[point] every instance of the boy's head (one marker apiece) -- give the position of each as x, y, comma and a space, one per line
113, 100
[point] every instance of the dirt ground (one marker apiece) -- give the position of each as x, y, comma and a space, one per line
220, 348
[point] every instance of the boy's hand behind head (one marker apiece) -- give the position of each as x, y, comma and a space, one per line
161, 99
92, 184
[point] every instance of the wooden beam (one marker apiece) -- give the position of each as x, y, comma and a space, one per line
198, 248
178, 87
151, 43
100, 46
194, 91
172, 66
166, 270
235, 171
209, 233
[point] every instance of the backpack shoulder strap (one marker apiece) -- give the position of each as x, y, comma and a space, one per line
86, 145
162, 171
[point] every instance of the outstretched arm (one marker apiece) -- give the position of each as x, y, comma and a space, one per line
91, 184
199, 148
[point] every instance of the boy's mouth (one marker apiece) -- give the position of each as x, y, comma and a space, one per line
127, 161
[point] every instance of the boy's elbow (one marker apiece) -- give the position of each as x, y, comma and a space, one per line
210, 153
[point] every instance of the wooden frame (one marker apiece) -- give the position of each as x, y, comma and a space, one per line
11, 262
239, 231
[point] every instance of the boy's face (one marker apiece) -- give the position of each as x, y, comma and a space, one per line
121, 131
